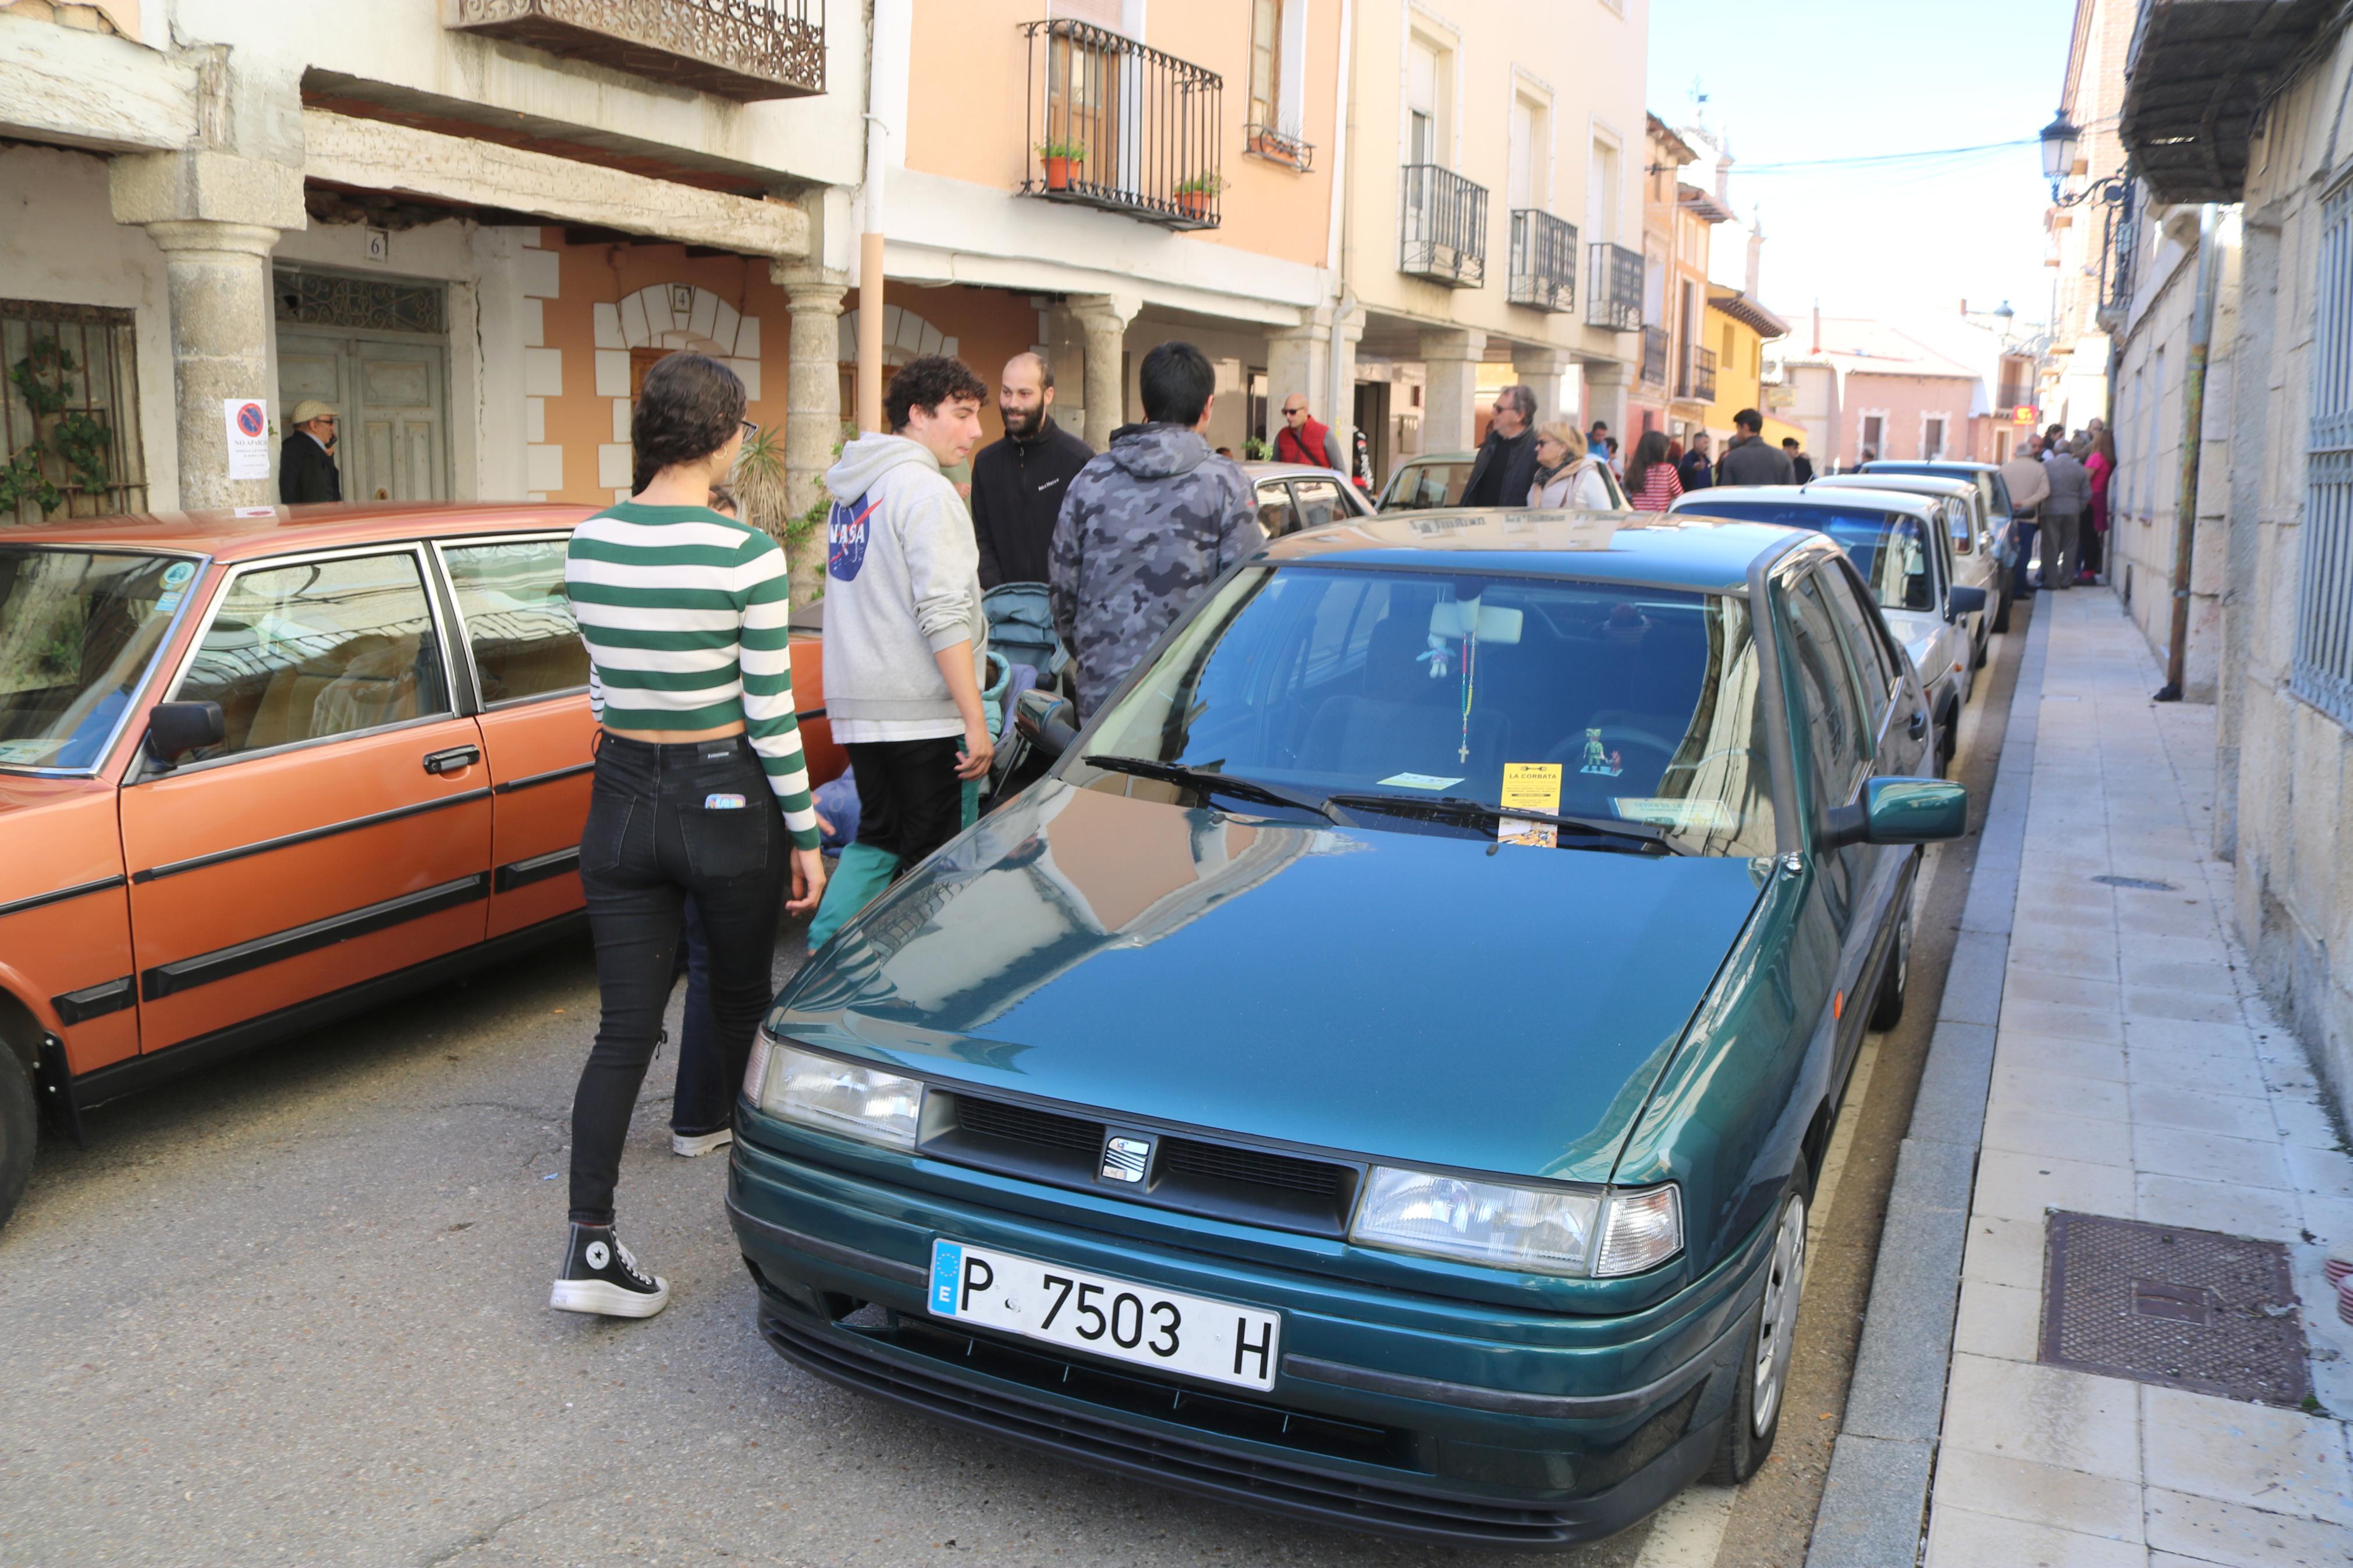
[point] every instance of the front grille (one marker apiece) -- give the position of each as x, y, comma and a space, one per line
1019, 1124
1252, 1167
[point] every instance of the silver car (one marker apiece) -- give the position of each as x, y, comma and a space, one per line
1974, 562
1293, 496
1437, 480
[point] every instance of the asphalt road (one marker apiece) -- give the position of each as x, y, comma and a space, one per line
293, 1308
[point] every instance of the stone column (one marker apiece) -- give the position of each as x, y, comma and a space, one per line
1297, 361
1347, 332
215, 217
1449, 413
1103, 317
1606, 384
1550, 374
812, 401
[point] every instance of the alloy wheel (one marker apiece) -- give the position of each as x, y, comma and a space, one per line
1783, 1280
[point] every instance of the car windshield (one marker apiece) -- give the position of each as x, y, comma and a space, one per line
1889, 548
1989, 488
78, 631
1434, 694
1418, 487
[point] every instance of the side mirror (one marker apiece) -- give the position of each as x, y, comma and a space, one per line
1960, 602
1901, 811
1046, 721
175, 728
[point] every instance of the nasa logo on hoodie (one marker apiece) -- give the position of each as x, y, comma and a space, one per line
845, 538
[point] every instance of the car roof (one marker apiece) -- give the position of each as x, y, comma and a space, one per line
244, 532
1256, 470
1914, 465
1916, 506
1911, 484
1708, 554
1462, 457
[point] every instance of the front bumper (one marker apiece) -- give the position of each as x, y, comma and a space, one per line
1372, 1423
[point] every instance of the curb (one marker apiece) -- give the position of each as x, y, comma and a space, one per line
1875, 1500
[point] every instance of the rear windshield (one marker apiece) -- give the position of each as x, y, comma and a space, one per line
1989, 486
1419, 487
78, 629
1889, 548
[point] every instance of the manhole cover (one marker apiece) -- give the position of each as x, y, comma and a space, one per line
2187, 1308
2142, 884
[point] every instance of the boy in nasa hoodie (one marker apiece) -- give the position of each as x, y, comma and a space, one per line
905, 638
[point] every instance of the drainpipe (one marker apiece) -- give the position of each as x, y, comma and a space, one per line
2193, 422
1341, 389
888, 42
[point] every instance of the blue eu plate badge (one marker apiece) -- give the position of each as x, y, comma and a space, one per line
947, 1268
722, 802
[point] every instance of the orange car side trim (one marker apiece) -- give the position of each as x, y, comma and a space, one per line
528, 780
61, 896
187, 974
95, 1001
353, 824
538, 868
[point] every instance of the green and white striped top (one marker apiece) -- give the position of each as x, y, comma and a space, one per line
684, 614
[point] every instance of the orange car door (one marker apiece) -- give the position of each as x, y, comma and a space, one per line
530, 674
340, 831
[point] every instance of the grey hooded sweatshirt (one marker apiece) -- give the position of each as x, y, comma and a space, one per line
902, 581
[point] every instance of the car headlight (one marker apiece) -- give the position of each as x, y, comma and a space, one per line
1534, 1230
833, 1096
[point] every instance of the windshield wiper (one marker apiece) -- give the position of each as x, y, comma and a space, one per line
1462, 805
1208, 780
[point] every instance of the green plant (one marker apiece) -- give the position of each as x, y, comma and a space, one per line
83, 442
759, 483
40, 394
1076, 152
1255, 450
1201, 185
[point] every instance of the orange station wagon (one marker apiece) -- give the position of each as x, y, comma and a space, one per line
261, 769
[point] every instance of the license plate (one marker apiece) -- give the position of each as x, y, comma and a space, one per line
1216, 1341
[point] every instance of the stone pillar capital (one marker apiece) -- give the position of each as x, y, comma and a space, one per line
1105, 312
182, 236
1453, 344
204, 187
807, 286
1542, 362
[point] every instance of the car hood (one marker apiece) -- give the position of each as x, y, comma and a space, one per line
1417, 997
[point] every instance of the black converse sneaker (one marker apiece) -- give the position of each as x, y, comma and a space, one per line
601, 1275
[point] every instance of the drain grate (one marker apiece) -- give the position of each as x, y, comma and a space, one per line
2163, 1304
2141, 884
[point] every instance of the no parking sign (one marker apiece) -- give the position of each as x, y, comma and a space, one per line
248, 438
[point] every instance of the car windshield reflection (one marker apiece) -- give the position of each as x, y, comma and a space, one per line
1889, 548
78, 631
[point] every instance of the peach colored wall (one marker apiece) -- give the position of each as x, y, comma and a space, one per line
990, 326
1903, 400
968, 116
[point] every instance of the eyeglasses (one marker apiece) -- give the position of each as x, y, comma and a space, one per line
750, 430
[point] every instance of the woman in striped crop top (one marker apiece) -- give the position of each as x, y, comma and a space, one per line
700, 789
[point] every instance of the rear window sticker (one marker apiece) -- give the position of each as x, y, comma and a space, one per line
1419, 781
1529, 786
179, 573
1599, 759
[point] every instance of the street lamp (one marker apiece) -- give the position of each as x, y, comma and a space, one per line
2061, 138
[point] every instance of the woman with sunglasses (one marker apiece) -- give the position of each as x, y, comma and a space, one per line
701, 790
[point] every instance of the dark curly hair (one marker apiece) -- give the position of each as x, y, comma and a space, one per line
928, 383
689, 407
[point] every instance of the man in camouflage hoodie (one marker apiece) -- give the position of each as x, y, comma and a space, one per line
1147, 526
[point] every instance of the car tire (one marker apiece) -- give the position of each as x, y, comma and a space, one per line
1762, 1384
2001, 615
1984, 649
1887, 1007
19, 1127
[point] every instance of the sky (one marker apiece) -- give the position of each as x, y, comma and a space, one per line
1815, 80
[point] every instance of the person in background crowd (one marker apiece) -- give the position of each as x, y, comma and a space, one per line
1018, 480
1870, 455
683, 616
1801, 466
2063, 516
1506, 464
1599, 443
1696, 471
306, 463
1147, 526
1227, 453
1305, 438
1748, 459
2100, 468
1566, 474
1361, 472
1651, 481
2029, 486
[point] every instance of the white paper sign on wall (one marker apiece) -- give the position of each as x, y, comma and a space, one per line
248, 437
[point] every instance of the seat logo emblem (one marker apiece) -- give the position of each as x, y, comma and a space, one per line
1125, 1158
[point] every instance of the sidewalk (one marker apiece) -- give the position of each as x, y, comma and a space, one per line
2136, 1074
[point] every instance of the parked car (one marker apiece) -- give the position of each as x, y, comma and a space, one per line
1900, 545
1438, 479
1379, 1074
1293, 496
1974, 562
259, 770
2001, 515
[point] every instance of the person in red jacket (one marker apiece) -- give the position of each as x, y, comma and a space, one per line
1303, 438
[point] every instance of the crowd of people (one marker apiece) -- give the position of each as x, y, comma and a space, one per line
2059, 495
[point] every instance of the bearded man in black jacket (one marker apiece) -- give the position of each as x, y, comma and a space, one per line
1017, 481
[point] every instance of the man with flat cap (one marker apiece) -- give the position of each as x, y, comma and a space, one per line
306, 464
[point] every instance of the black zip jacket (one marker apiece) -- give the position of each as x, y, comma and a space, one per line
1017, 494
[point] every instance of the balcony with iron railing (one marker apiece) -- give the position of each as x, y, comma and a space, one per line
741, 49
1613, 286
1654, 356
1118, 125
1442, 226
1279, 147
1544, 261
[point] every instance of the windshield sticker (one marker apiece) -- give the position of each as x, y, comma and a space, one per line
1529, 786
1599, 759
179, 573
166, 602
1677, 815
1419, 781
24, 751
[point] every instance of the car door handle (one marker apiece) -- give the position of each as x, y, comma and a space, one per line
450, 761
1918, 727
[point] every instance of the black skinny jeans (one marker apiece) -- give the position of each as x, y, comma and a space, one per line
658, 830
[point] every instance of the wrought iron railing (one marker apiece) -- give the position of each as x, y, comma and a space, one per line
743, 49
1543, 260
1442, 226
1279, 147
2119, 248
1117, 125
1613, 286
1654, 356
1702, 376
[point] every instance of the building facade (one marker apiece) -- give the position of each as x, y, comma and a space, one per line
2074, 376
1859, 388
1675, 381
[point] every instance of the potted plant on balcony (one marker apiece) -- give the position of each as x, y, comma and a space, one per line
1061, 158
1194, 196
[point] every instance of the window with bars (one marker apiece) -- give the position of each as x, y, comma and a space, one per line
2322, 673
69, 413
